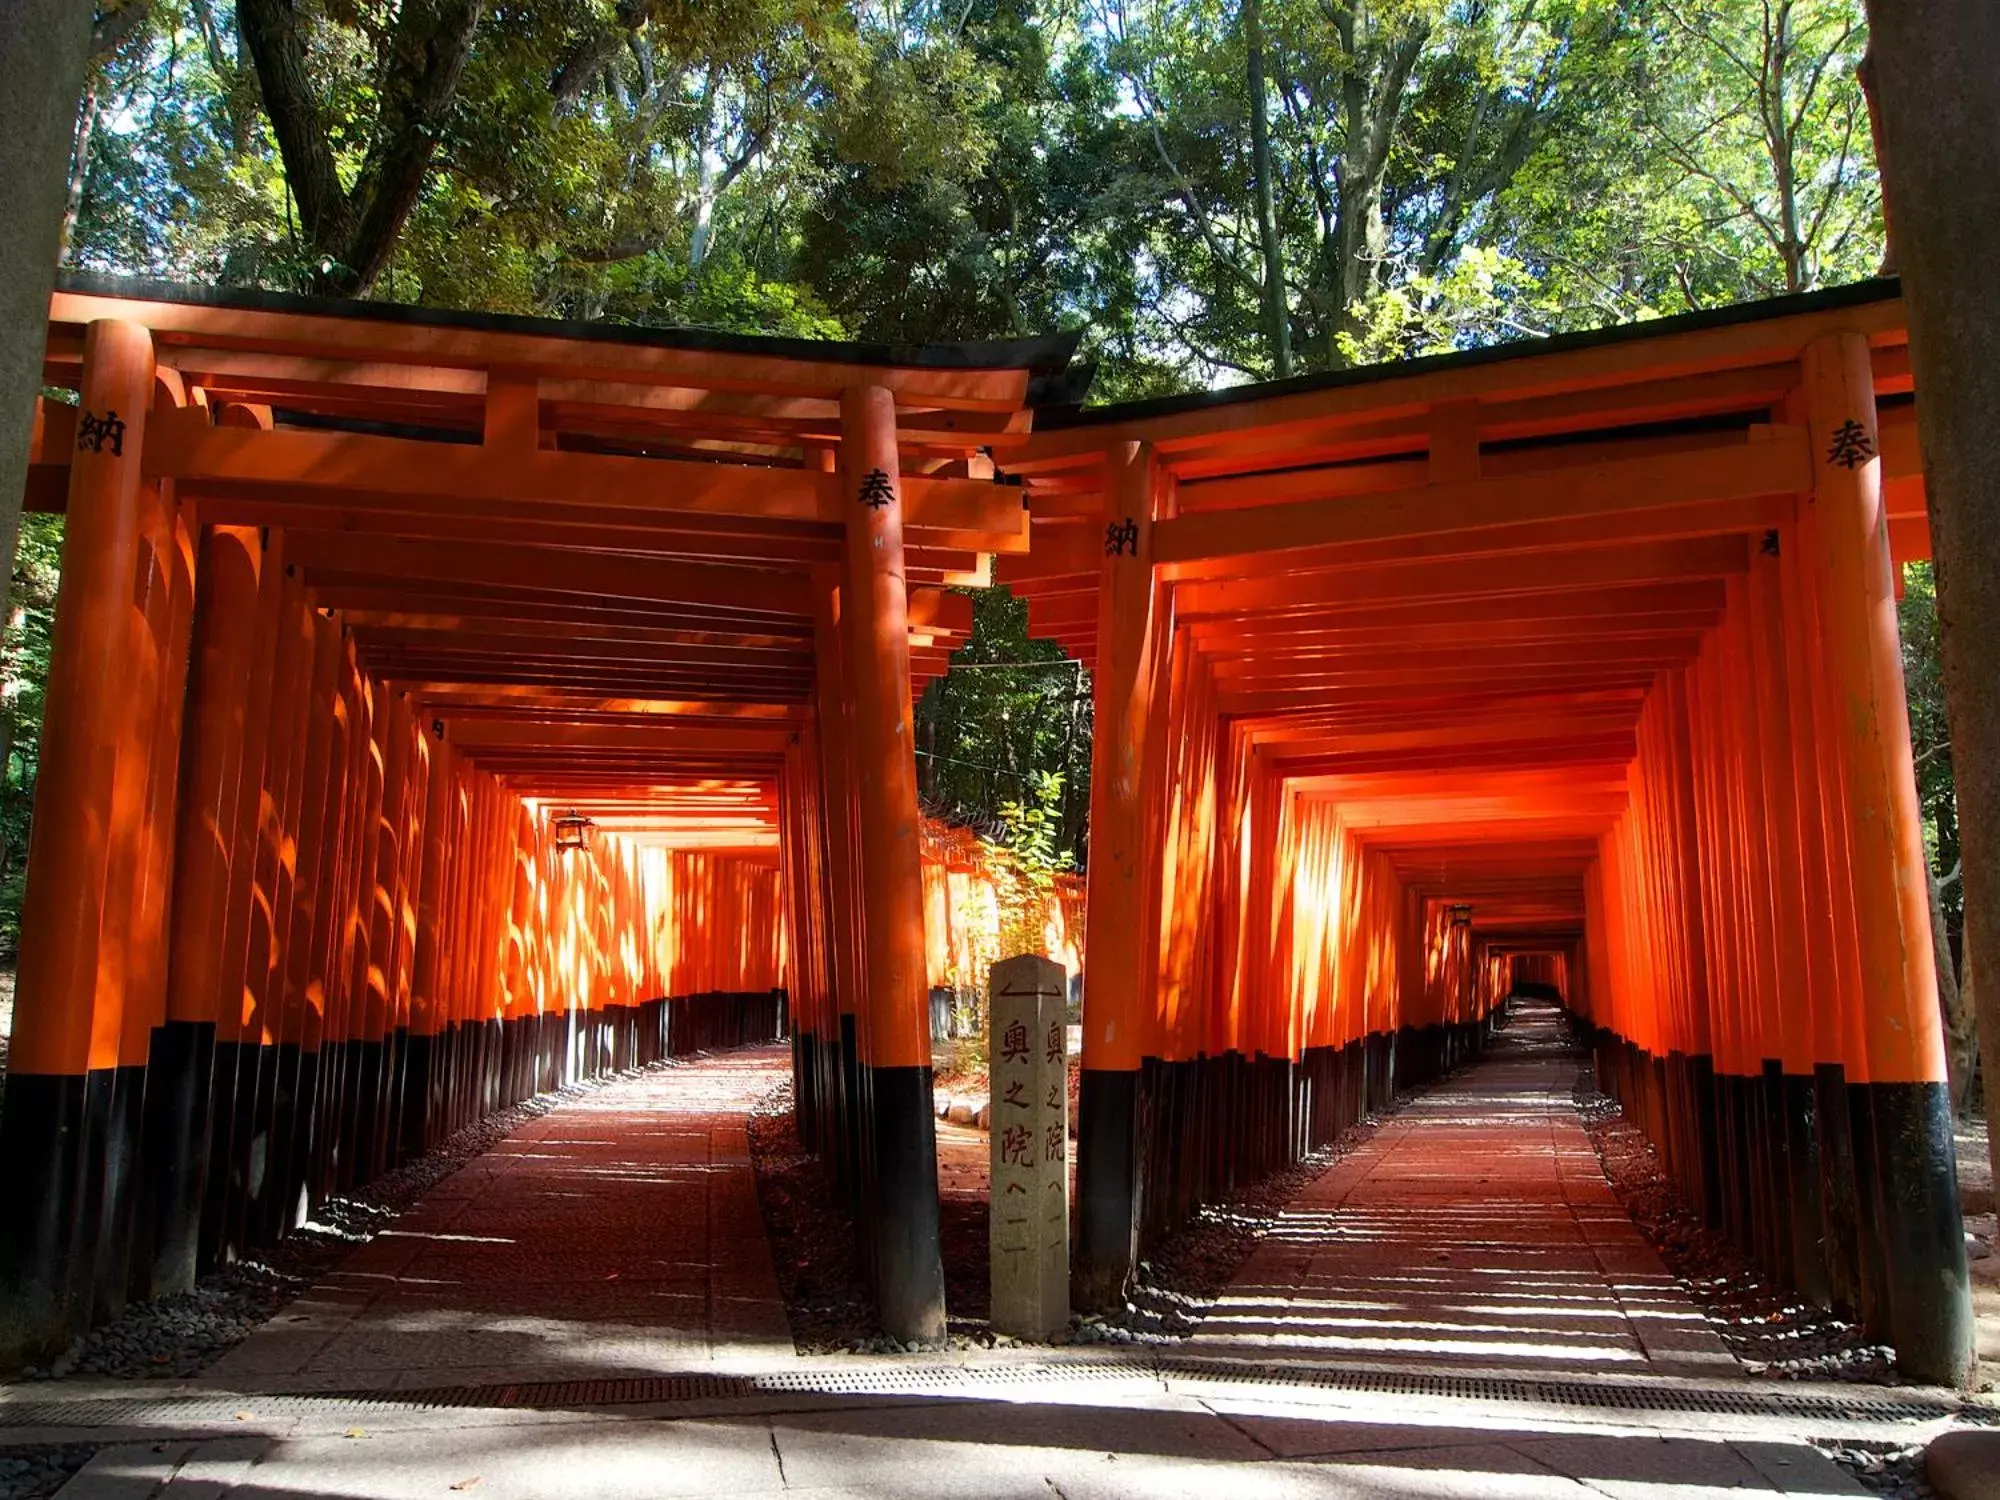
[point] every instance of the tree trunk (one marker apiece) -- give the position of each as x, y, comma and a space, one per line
43, 47
1934, 67
1277, 311
79, 170
1961, 1031
353, 232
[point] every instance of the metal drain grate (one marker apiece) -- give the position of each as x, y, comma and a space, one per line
1598, 1395
887, 1380
637, 1390
891, 1380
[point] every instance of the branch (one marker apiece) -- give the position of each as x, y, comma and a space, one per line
1940, 748
428, 53
271, 32
114, 25
1185, 191
591, 53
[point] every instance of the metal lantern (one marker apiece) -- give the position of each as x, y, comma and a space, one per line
1461, 916
572, 831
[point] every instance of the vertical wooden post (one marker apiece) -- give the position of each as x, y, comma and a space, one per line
316, 978
378, 1040
162, 627
1914, 1165
292, 735
256, 1061
178, 1099
1799, 959
1114, 1002
364, 1052
894, 1013
336, 1048
426, 1005
234, 1051
47, 1121
841, 879
312, 820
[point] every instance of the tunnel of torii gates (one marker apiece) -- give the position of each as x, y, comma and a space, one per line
1570, 666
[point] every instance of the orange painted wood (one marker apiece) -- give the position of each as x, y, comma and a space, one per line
63, 944
895, 1011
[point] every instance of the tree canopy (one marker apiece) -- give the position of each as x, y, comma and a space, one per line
1209, 190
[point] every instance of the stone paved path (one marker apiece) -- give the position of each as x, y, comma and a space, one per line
619, 1234
1474, 1229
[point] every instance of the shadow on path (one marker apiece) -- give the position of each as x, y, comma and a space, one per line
1475, 1228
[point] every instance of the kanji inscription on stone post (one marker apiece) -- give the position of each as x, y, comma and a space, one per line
1028, 1062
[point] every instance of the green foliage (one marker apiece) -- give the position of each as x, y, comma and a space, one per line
1035, 857
1930, 738
24, 669
1443, 174
1009, 727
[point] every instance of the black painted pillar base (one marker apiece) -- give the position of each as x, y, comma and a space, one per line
908, 1266
41, 1186
302, 1186
271, 1207
1839, 1231
216, 1245
849, 1063
180, 1065
1707, 1163
1923, 1237
1107, 1182
369, 1058
419, 1098
1801, 1136
1778, 1171
115, 1160
1871, 1250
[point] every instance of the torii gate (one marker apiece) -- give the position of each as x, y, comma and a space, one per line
1578, 656
1575, 660
356, 600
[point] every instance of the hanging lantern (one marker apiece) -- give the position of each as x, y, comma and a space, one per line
1461, 916
572, 831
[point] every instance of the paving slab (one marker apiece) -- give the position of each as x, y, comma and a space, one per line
1475, 1227
618, 1234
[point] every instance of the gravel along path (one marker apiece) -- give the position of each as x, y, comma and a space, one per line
38, 1471
812, 1242
1773, 1334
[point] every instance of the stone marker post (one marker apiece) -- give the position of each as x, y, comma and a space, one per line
1029, 1119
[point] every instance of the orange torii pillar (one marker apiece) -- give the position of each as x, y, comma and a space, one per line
422, 1060
178, 1097
1115, 1007
65, 1047
899, 1198
1915, 1174
840, 881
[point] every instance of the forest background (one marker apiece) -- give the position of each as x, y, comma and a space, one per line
1206, 191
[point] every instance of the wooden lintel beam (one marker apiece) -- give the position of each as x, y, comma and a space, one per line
1528, 373
548, 354
1530, 573
1778, 464
1417, 659
587, 575
487, 734
184, 446
530, 646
